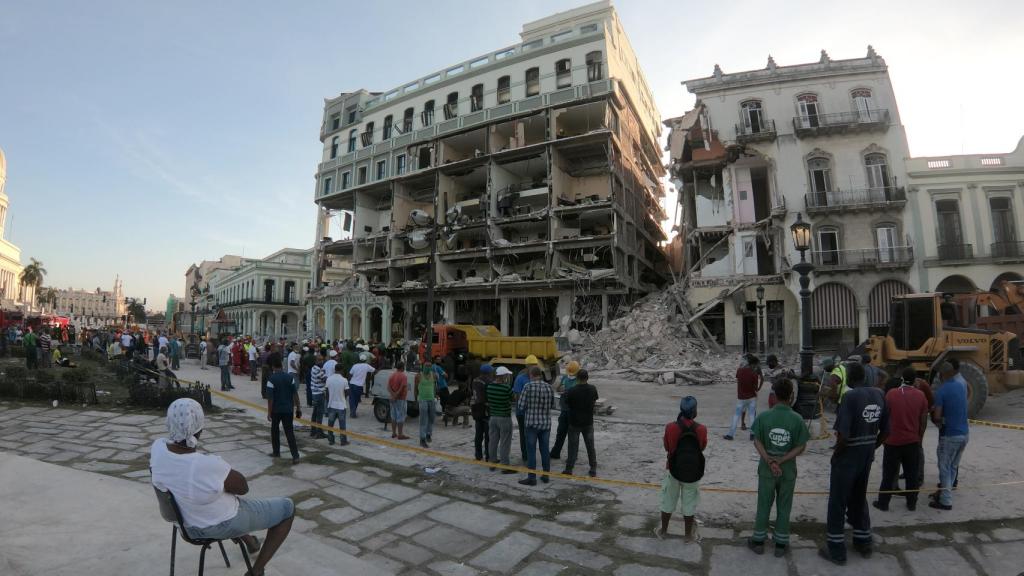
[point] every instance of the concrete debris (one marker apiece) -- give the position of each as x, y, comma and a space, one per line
652, 340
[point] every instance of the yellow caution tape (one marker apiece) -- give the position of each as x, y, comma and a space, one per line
522, 469
997, 425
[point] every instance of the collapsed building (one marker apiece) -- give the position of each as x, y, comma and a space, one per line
532, 172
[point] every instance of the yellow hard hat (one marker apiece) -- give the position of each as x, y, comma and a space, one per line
531, 360
572, 368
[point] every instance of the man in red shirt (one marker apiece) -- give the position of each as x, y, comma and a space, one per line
673, 491
398, 393
747, 386
908, 416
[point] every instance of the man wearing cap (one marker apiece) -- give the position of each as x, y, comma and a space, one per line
331, 363
499, 409
779, 437
517, 389
478, 408
357, 382
565, 383
580, 400
675, 493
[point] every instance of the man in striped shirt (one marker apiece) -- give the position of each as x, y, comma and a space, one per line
317, 384
862, 424
499, 407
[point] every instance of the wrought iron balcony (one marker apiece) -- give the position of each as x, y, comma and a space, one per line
956, 251
836, 260
855, 199
839, 122
1007, 249
761, 131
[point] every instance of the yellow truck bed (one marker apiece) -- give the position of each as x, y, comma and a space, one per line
488, 342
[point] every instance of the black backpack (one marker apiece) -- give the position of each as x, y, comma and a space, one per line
686, 464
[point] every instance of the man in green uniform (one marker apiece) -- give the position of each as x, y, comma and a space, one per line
779, 436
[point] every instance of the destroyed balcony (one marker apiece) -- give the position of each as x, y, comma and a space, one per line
896, 257
889, 197
762, 131
778, 206
841, 122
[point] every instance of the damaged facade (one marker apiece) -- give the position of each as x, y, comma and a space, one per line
822, 139
537, 164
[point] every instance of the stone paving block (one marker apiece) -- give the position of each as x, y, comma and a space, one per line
305, 471
414, 526
390, 564
144, 473
39, 447
408, 553
472, 518
94, 466
640, 570
517, 507
379, 541
137, 419
632, 521
998, 559
78, 448
126, 456
470, 496
378, 471
938, 561
276, 486
507, 553
541, 569
101, 454
664, 548
355, 479
930, 536
301, 525
580, 556
309, 504
449, 568
448, 541
733, 560
1008, 534
360, 530
395, 492
341, 458
577, 517
808, 563
359, 499
324, 483
59, 457
561, 531
341, 515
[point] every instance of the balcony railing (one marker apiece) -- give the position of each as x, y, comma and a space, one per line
956, 251
889, 196
840, 121
761, 130
272, 301
895, 256
1009, 249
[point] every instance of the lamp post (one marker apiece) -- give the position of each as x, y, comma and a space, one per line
760, 320
193, 296
802, 242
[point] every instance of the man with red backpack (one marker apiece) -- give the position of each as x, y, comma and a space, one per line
685, 441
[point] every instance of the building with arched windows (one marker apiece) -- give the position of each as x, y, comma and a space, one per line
538, 166
824, 140
13, 295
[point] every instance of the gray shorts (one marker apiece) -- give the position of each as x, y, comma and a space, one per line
397, 411
253, 515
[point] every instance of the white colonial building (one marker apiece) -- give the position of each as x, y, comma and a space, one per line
13, 295
966, 218
92, 307
824, 140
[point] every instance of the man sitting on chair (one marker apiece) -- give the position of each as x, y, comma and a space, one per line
207, 489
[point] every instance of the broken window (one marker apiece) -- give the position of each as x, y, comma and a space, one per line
809, 110
334, 147
563, 73
533, 81
595, 66
427, 116
821, 179
828, 246
476, 98
752, 116
451, 107
503, 90
407, 121
386, 128
352, 139
367, 136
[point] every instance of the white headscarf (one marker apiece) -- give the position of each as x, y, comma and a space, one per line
184, 420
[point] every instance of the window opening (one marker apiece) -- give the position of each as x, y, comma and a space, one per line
828, 246
334, 147
451, 107
427, 116
753, 116
809, 110
407, 121
533, 82
352, 140
862, 104
503, 89
563, 73
389, 122
595, 66
476, 98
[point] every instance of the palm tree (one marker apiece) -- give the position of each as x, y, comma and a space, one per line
47, 296
32, 275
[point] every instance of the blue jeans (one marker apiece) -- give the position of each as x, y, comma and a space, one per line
225, 377
951, 448
318, 415
750, 405
533, 436
253, 515
426, 419
355, 393
339, 415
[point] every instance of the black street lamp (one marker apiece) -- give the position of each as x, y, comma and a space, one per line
760, 320
802, 242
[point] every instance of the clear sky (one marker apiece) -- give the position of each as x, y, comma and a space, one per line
144, 136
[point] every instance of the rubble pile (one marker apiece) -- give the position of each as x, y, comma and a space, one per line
651, 340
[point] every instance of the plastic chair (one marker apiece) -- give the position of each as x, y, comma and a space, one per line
171, 513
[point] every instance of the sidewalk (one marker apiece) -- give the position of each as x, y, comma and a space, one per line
59, 520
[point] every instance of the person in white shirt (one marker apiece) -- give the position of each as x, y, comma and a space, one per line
355, 390
163, 341
253, 355
337, 388
203, 352
207, 489
332, 361
126, 344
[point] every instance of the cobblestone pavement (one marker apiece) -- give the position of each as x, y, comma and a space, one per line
411, 522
